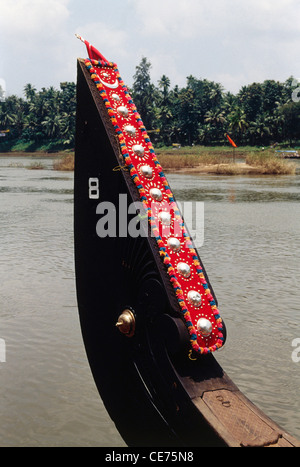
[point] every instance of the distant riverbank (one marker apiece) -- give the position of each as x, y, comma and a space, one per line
198, 159
35, 154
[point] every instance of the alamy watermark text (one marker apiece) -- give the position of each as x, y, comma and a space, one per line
132, 219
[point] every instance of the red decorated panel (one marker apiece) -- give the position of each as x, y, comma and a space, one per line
176, 248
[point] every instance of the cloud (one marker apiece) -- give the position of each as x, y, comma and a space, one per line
32, 34
29, 18
230, 40
192, 18
187, 18
31, 29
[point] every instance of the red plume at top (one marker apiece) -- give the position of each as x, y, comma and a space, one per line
93, 53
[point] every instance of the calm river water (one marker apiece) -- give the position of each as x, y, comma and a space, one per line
251, 252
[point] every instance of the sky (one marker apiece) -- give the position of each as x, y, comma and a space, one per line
231, 42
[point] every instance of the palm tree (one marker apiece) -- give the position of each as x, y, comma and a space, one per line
260, 130
142, 92
164, 109
29, 91
6, 119
52, 125
215, 94
215, 117
237, 121
164, 84
214, 129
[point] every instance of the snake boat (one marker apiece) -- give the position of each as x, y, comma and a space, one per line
149, 316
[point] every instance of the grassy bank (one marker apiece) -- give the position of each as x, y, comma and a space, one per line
216, 160
64, 163
45, 147
225, 161
271, 164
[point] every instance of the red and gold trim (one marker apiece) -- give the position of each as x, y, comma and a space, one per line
176, 249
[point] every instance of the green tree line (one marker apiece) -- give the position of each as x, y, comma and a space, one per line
41, 117
199, 113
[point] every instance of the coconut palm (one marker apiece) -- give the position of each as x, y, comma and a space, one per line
29, 91
215, 117
237, 121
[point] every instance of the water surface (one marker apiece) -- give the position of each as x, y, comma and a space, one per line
251, 252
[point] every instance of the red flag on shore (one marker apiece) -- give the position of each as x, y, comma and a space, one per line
231, 141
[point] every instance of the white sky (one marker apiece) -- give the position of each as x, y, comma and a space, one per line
232, 42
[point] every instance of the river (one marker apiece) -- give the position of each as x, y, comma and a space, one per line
251, 252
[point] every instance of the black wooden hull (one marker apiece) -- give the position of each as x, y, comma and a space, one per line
153, 391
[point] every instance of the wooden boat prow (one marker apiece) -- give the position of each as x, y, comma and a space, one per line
156, 388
